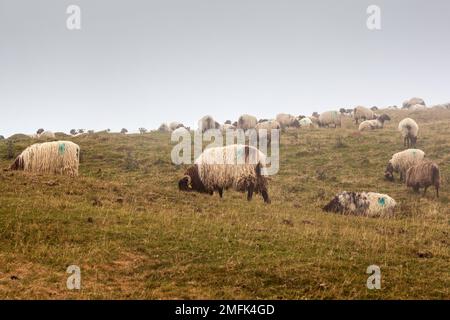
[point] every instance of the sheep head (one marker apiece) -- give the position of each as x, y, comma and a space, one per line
333, 206
191, 181
389, 173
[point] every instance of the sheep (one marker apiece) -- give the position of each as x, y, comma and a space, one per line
423, 175
374, 124
314, 120
228, 126
237, 166
46, 135
409, 130
175, 125
305, 123
413, 101
402, 161
207, 123
162, 128
180, 131
368, 204
246, 122
2, 137
362, 113
330, 117
57, 157
268, 125
287, 121
418, 107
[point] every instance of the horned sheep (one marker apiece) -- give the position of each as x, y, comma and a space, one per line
368, 204
402, 161
409, 130
235, 166
423, 175
57, 157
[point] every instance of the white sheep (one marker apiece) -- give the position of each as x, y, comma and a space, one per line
246, 122
305, 122
363, 113
402, 161
235, 166
175, 125
268, 125
368, 204
374, 124
418, 107
287, 121
207, 123
57, 157
413, 101
330, 118
409, 130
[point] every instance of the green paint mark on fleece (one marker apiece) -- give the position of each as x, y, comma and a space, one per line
382, 202
61, 148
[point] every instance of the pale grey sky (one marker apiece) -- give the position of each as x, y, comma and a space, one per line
138, 63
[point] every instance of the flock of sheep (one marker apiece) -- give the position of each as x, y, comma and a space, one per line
217, 169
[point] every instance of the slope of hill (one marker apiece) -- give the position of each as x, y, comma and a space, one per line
134, 235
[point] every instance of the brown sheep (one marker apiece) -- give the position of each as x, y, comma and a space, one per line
423, 175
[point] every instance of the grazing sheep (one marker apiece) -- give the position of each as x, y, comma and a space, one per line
175, 125
287, 121
237, 166
413, 101
268, 125
409, 130
207, 123
330, 117
423, 175
305, 123
402, 161
362, 113
369, 204
374, 108
374, 124
57, 157
162, 128
246, 122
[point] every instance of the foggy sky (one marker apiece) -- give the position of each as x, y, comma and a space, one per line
138, 63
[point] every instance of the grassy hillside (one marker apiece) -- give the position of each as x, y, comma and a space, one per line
134, 235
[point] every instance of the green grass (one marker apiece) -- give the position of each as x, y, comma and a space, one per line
134, 235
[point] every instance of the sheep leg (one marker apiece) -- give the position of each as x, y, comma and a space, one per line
425, 191
437, 191
250, 192
265, 196
220, 192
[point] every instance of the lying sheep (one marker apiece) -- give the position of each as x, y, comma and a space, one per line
314, 120
369, 204
363, 113
413, 101
402, 161
330, 118
409, 130
287, 121
246, 122
374, 124
235, 166
418, 107
207, 123
423, 175
305, 123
